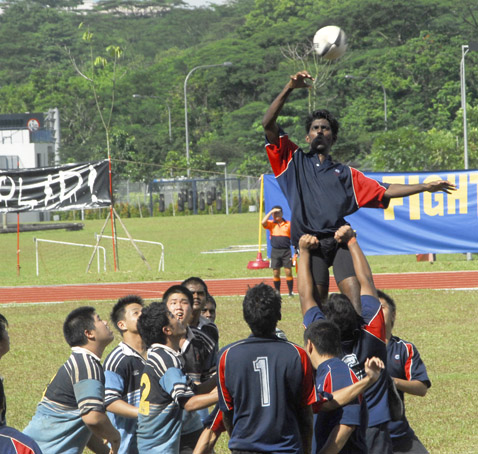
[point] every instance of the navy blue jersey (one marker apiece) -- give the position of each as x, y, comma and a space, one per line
370, 342
264, 382
210, 329
331, 376
404, 361
320, 195
76, 389
14, 442
123, 369
163, 388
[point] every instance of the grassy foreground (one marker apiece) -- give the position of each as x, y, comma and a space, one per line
445, 420
187, 240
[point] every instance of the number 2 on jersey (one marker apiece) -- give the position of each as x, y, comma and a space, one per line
261, 365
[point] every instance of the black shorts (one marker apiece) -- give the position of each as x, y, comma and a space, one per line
281, 258
410, 444
378, 439
330, 253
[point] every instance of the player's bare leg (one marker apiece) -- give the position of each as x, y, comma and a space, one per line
351, 288
321, 294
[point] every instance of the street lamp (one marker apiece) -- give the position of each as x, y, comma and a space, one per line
227, 63
167, 105
350, 76
225, 184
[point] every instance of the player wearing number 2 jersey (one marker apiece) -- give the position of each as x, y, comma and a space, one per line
266, 384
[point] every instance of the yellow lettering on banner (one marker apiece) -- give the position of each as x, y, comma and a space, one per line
474, 180
389, 214
433, 204
460, 195
414, 200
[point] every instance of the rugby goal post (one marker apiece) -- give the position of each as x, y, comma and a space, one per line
98, 249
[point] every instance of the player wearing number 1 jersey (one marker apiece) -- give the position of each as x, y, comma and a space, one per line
266, 384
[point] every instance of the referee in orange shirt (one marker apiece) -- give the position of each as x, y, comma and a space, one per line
280, 241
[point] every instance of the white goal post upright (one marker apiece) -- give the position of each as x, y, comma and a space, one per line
38, 240
161, 259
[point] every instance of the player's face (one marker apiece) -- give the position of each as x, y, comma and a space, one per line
102, 330
320, 136
199, 294
176, 326
178, 305
130, 319
209, 311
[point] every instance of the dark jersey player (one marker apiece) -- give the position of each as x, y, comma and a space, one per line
362, 336
410, 376
321, 192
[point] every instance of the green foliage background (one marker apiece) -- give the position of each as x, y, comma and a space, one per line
411, 49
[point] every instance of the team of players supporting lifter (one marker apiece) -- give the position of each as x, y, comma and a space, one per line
342, 392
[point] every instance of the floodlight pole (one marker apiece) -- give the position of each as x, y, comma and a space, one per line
350, 76
167, 106
227, 63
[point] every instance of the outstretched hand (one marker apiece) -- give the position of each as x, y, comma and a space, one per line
344, 234
308, 242
298, 80
373, 368
441, 185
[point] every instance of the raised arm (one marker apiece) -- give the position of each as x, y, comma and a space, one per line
267, 216
305, 283
346, 235
269, 121
404, 190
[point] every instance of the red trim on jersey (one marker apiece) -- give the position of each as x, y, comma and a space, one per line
280, 156
309, 391
328, 385
222, 381
368, 192
354, 379
217, 425
409, 362
376, 326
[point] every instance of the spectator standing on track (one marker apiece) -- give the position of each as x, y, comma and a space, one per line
71, 413
123, 369
167, 391
12, 441
409, 374
281, 256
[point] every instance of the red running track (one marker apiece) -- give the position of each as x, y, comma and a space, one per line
220, 287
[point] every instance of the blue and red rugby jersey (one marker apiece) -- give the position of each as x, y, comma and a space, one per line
404, 361
263, 382
320, 195
371, 342
331, 376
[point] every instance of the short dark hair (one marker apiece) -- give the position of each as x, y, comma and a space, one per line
210, 299
195, 280
178, 289
323, 113
391, 303
3, 326
151, 322
325, 336
117, 313
262, 309
77, 322
339, 310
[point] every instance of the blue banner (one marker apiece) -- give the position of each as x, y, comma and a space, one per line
418, 224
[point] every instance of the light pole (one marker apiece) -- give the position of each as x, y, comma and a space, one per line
227, 63
350, 76
225, 184
167, 105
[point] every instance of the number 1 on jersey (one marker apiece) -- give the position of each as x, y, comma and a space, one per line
261, 365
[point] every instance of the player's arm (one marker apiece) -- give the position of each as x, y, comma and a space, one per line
341, 397
121, 408
346, 235
305, 283
337, 439
200, 401
306, 427
415, 387
206, 442
267, 216
102, 428
404, 190
269, 122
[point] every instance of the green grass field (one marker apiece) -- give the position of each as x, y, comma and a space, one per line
185, 240
445, 419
